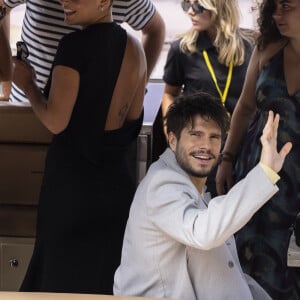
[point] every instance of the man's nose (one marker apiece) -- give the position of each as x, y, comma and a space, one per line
205, 143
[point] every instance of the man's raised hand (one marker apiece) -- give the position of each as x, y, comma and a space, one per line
269, 154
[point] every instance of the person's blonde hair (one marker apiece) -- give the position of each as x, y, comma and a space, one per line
229, 37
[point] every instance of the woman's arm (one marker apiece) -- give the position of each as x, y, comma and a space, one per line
170, 93
54, 112
153, 39
242, 114
5, 56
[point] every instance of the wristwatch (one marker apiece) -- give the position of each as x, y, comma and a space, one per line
2, 12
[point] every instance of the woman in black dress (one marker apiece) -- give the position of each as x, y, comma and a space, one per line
93, 105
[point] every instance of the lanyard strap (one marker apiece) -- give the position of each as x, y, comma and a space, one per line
223, 95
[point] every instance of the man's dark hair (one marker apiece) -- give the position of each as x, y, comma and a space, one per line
186, 108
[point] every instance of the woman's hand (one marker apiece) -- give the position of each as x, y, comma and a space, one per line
224, 179
23, 74
5, 55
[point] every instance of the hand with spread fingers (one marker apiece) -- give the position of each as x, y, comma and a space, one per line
23, 74
269, 154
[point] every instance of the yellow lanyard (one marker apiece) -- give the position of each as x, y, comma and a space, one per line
223, 95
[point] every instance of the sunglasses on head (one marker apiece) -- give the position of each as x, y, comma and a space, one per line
197, 8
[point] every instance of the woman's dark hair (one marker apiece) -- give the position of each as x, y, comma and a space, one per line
269, 32
186, 108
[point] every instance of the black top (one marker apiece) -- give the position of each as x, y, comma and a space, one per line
190, 70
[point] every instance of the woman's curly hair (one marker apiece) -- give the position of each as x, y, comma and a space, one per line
269, 32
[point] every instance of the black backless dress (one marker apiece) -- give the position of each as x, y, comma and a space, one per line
87, 190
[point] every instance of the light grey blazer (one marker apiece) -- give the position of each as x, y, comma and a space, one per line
179, 244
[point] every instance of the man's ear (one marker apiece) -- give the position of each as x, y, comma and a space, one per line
104, 4
172, 141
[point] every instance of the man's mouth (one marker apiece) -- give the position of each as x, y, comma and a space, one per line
202, 155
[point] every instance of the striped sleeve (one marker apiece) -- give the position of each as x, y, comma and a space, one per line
43, 27
13, 3
137, 13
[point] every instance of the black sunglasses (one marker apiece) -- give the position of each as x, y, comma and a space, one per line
197, 8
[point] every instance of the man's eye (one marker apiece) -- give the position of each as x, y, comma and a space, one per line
195, 133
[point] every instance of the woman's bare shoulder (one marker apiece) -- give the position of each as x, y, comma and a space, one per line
135, 54
134, 45
269, 51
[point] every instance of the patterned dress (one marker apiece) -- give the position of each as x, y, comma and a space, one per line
263, 243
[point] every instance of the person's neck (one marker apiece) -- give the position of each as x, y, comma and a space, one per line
294, 46
199, 183
105, 18
211, 34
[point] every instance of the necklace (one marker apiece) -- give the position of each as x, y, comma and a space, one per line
223, 95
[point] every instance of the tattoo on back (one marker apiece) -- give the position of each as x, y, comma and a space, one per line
123, 112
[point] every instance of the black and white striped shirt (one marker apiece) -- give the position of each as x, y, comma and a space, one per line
44, 26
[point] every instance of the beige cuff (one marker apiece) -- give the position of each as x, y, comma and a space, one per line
271, 174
